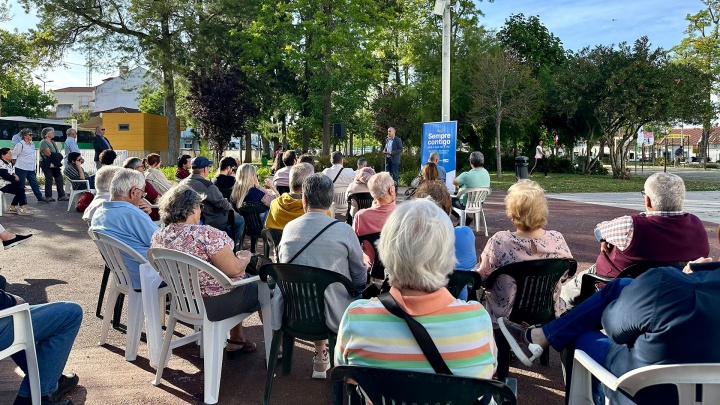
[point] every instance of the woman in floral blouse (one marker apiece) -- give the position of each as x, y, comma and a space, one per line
180, 211
526, 206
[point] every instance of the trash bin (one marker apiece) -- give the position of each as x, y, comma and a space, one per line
264, 159
521, 167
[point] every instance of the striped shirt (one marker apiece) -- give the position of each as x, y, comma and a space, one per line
371, 336
619, 231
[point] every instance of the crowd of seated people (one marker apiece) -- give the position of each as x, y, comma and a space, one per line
225, 177
417, 271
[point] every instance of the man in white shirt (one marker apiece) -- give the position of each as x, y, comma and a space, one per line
71, 143
340, 176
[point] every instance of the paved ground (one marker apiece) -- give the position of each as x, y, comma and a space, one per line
61, 263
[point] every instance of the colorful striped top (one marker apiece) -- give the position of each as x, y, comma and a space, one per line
369, 335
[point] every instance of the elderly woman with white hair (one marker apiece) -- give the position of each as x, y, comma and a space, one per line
180, 211
371, 220
103, 178
418, 273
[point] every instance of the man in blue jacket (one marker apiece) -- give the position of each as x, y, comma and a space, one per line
665, 316
55, 326
392, 150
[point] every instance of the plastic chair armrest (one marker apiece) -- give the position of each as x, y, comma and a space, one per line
601, 373
14, 309
245, 281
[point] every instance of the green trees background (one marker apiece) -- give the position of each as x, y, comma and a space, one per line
298, 66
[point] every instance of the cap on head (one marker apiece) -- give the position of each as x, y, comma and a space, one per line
201, 162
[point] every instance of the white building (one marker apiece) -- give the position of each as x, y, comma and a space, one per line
73, 100
122, 90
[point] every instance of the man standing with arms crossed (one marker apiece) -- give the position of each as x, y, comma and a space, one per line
393, 148
100, 143
71, 143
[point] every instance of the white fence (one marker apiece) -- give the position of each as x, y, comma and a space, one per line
89, 156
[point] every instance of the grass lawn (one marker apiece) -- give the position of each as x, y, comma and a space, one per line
576, 183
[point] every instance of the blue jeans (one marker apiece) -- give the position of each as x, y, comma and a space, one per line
581, 326
32, 179
55, 326
239, 228
392, 168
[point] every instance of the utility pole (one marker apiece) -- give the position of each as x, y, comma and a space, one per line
443, 8
43, 82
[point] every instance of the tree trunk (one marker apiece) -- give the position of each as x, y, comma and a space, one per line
284, 132
170, 111
497, 146
248, 148
327, 107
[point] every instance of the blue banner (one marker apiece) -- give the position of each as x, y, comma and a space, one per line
441, 138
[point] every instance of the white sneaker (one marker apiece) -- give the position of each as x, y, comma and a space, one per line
321, 365
24, 211
13, 209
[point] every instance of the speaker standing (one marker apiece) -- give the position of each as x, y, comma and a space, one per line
393, 148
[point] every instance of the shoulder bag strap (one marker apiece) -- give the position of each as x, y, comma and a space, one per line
338, 175
421, 335
311, 241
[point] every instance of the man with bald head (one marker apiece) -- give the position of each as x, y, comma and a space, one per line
100, 143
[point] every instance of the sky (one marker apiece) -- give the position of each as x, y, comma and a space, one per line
578, 23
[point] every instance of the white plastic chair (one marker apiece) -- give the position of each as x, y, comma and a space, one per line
180, 272
684, 376
112, 250
474, 205
339, 199
76, 193
2, 203
24, 339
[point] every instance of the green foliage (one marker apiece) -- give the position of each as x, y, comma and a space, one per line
152, 100
528, 37
20, 96
263, 173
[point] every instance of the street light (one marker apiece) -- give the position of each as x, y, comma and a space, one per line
443, 8
44, 81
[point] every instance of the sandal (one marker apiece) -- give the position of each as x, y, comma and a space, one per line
245, 348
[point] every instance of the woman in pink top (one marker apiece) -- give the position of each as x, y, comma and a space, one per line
526, 206
180, 211
371, 220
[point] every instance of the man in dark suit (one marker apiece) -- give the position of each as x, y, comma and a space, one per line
393, 148
100, 143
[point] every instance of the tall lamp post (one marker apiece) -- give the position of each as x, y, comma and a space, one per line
443, 8
43, 82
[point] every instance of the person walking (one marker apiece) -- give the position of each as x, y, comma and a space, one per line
24, 155
50, 162
393, 148
539, 159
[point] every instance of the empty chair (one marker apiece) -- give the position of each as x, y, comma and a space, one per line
388, 386
253, 222
339, 199
24, 340
181, 272
689, 379
473, 205
112, 251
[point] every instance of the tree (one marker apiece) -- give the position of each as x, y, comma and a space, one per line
218, 100
504, 90
530, 39
22, 97
701, 48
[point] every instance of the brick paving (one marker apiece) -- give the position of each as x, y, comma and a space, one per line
61, 263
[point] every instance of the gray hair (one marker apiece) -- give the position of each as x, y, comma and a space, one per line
318, 191
361, 162
124, 180
132, 162
104, 177
409, 260
46, 131
337, 157
434, 157
25, 131
298, 174
380, 184
70, 131
666, 191
477, 159
178, 203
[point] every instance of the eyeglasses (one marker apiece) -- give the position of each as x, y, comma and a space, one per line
102, 129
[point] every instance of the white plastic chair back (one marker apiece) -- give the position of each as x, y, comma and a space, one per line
76, 193
112, 251
474, 205
684, 376
24, 339
339, 199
